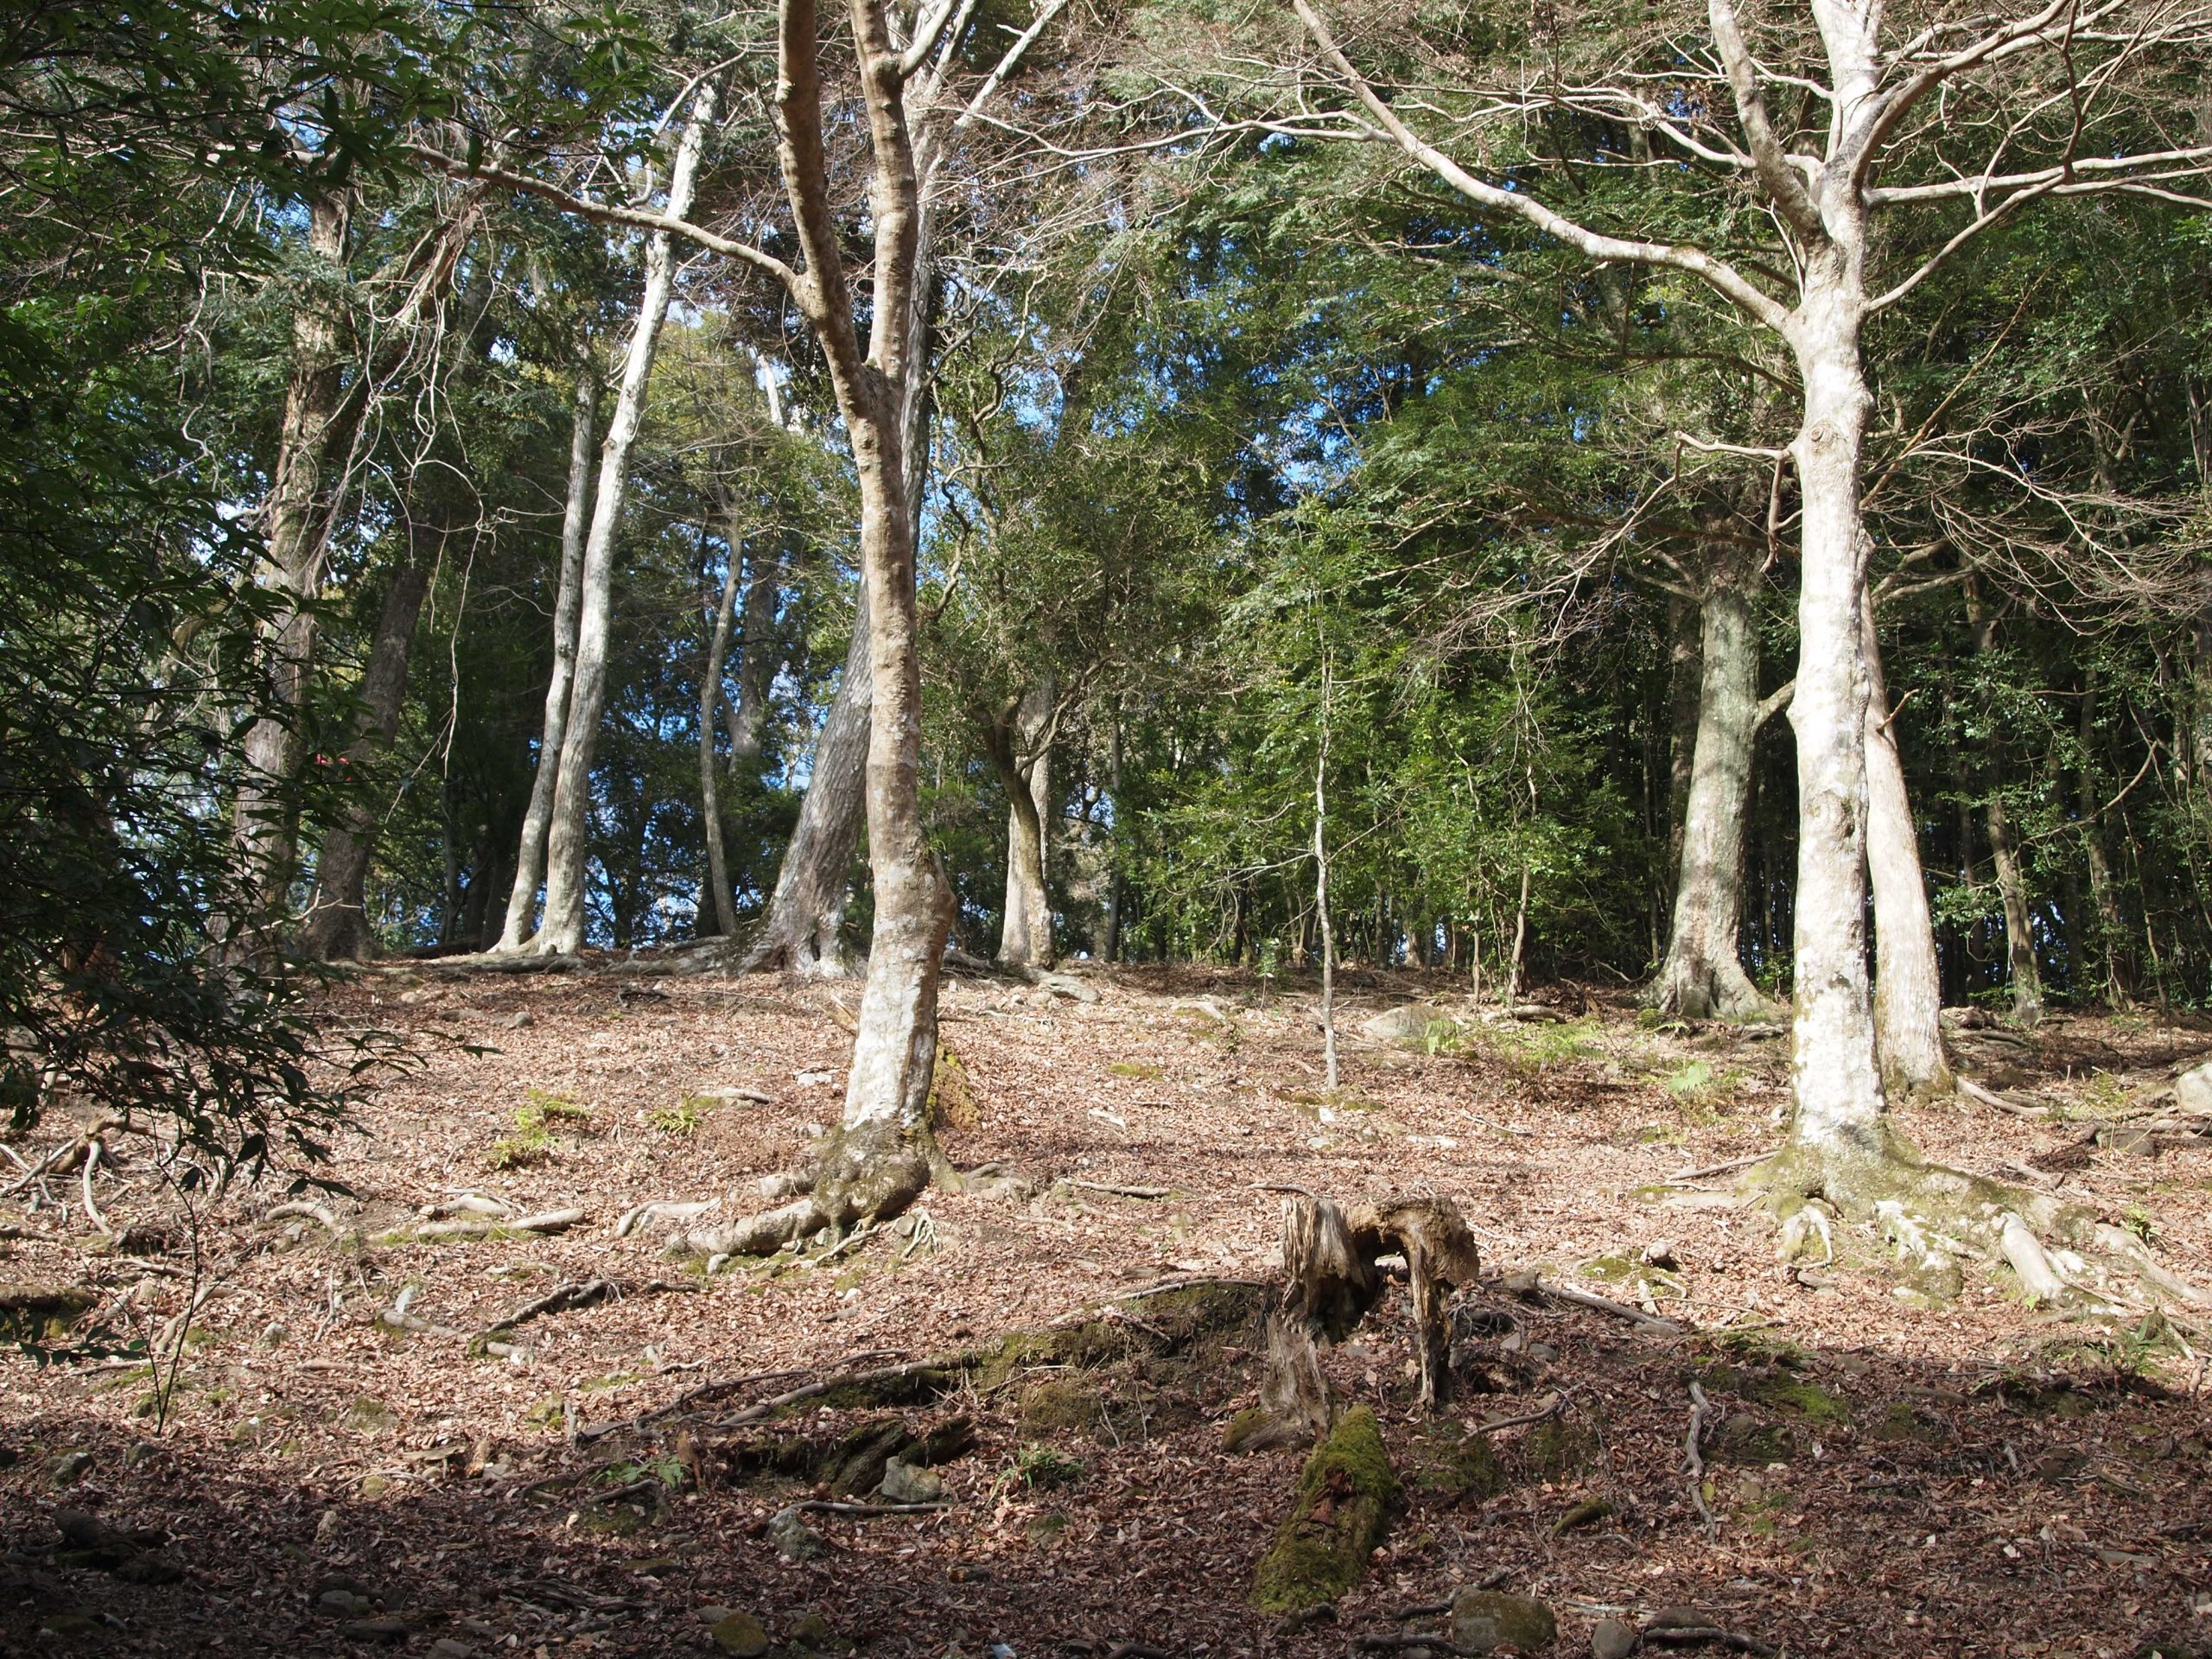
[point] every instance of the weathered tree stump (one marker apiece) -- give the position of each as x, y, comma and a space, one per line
1332, 1280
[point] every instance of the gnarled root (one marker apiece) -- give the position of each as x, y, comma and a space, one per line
865, 1173
1933, 1217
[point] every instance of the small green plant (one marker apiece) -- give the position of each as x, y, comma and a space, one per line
1269, 970
2138, 1221
666, 1470
532, 1142
1694, 1081
681, 1119
1136, 1069
1041, 1467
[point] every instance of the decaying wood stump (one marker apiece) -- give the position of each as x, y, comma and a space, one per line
1330, 1282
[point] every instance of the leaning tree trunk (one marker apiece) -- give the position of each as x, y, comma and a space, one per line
1840, 1121
1703, 976
1908, 982
298, 530
529, 859
336, 924
562, 931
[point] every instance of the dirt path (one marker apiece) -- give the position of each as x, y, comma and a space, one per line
351, 1463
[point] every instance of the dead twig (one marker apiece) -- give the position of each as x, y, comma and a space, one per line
1111, 1189
1607, 1304
832, 1506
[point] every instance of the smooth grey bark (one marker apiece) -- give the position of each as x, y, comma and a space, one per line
1114, 895
710, 694
1908, 980
575, 523
1321, 893
562, 931
1703, 975
313, 427
335, 927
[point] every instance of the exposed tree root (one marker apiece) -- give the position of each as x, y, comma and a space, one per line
1936, 1219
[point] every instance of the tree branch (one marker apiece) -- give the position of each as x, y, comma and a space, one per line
1776, 170
1717, 273
602, 213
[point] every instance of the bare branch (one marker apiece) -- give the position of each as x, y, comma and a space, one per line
1776, 170
602, 213
1717, 273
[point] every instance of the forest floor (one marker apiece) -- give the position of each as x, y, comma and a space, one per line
349, 1463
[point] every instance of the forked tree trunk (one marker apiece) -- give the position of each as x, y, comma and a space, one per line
298, 523
575, 522
1908, 982
1703, 976
710, 695
562, 932
1837, 1085
335, 927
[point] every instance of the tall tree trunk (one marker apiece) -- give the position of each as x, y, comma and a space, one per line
562, 932
1703, 975
575, 522
1321, 893
335, 927
1685, 701
1115, 897
799, 934
2005, 853
1907, 984
756, 675
710, 695
2104, 901
1840, 1105
1026, 934
298, 527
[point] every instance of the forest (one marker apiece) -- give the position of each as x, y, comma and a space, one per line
1130, 828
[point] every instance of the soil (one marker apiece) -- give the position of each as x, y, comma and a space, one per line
346, 1459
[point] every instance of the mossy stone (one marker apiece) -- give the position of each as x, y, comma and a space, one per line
1336, 1519
741, 1634
1743, 1439
1061, 1407
1560, 1450
1483, 1621
1467, 1468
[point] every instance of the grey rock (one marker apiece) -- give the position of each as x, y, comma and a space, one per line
1612, 1640
388, 1629
794, 1540
71, 1467
341, 1604
1483, 1621
715, 1614
1406, 1023
2193, 1090
903, 1483
446, 1647
521, 1021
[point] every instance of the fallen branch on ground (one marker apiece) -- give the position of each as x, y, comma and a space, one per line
1732, 1164
1695, 1460
1973, 1090
1552, 1402
1112, 1189
832, 1506
663, 1210
551, 1221
1698, 1636
1535, 1286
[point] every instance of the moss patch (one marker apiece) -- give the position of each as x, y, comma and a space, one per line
1336, 1519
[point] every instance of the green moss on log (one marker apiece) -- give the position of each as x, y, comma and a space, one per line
1336, 1521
